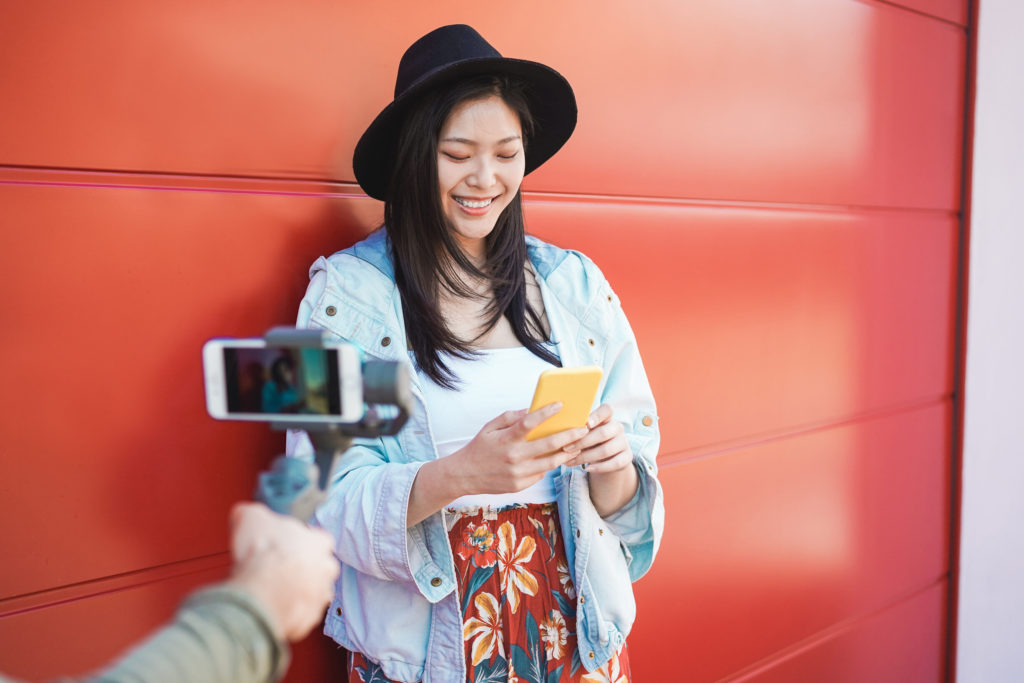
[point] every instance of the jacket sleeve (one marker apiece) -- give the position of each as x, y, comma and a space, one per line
639, 523
368, 501
366, 510
220, 634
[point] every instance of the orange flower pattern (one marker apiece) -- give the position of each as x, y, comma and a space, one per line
512, 561
611, 672
518, 601
484, 630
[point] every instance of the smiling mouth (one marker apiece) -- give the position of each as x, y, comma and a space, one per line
473, 203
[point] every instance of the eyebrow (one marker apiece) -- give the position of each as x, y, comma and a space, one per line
467, 141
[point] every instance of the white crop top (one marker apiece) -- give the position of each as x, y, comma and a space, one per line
495, 381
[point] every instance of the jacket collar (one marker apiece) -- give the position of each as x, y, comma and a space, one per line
380, 309
376, 250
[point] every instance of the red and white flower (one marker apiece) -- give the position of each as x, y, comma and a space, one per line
553, 634
566, 580
478, 543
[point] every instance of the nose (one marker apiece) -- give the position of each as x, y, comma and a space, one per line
484, 174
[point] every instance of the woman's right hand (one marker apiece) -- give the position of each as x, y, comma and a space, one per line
498, 459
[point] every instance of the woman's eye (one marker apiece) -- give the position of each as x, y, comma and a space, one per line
454, 157
513, 155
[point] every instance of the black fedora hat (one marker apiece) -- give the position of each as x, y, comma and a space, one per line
448, 54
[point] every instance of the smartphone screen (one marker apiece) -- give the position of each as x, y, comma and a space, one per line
282, 381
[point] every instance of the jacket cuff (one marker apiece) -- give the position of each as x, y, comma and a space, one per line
409, 553
632, 522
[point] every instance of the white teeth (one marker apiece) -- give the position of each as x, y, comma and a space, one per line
469, 204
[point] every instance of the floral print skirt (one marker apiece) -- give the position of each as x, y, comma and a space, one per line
518, 601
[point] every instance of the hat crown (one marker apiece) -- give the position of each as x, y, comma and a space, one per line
440, 48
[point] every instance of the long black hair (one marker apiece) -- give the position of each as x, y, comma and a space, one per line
428, 258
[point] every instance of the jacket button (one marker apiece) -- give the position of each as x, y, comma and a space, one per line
337, 610
590, 341
591, 654
435, 582
577, 533
331, 310
609, 297
583, 600
386, 341
647, 421
600, 532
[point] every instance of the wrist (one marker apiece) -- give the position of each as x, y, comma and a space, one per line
437, 483
448, 478
260, 599
609, 491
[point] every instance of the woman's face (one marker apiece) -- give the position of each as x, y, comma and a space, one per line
283, 373
480, 163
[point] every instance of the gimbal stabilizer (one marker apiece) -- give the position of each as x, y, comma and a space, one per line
295, 486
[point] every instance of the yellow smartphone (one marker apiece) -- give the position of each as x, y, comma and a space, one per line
575, 388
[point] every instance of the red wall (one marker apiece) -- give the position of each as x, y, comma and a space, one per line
772, 188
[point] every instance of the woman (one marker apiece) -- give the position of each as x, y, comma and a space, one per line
279, 395
469, 553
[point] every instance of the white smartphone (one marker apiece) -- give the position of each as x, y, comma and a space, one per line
248, 380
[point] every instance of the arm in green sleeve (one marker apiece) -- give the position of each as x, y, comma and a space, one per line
220, 634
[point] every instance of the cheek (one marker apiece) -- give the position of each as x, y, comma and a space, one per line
447, 177
514, 179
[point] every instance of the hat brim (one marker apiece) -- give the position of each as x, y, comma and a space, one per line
550, 98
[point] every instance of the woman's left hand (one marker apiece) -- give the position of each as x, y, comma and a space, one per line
608, 460
605, 447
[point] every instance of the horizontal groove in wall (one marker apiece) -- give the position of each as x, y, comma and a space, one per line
751, 441
175, 182
19, 604
312, 187
50, 597
730, 204
911, 10
830, 633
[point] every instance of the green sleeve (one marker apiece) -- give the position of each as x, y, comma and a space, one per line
220, 634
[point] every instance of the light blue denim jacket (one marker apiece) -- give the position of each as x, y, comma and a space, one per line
396, 599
